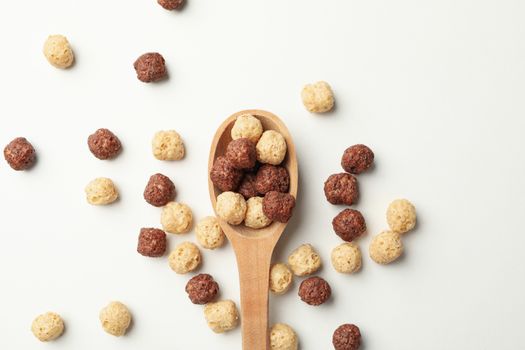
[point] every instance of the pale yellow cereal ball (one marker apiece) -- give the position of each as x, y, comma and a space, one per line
386, 247
167, 145
222, 316
401, 216
101, 191
283, 337
346, 258
255, 217
176, 218
247, 126
48, 326
231, 207
58, 51
209, 233
318, 97
184, 258
115, 318
271, 148
304, 260
280, 278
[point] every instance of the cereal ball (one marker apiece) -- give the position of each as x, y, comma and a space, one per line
209, 233
241, 153
349, 224
159, 191
346, 258
271, 148
283, 337
280, 278
104, 144
346, 337
58, 51
247, 126
224, 175
231, 207
272, 178
202, 289
150, 67
304, 260
401, 216
115, 318
48, 326
20, 154
386, 247
185, 258
101, 191
341, 189
221, 316
318, 97
357, 159
171, 4
152, 242
314, 291
278, 206
255, 217
167, 145
176, 218
247, 186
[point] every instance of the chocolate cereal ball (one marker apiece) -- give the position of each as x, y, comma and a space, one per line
159, 191
104, 144
150, 67
171, 4
20, 154
224, 175
357, 159
341, 189
241, 153
152, 242
346, 337
272, 178
202, 289
349, 224
247, 186
278, 206
314, 291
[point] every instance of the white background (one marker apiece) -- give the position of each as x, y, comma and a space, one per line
435, 88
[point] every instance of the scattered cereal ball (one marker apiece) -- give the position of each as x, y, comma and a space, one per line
48, 326
241, 153
272, 178
202, 289
101, 191
318, 97
184, 258
278, 206
401, 216
221, 316
304, 260
171, 4
255, 217
283, 337
280, 278
167, 145
247, 126
341, 189
346, 258
209, 233
159, 191
386, 247
20, 154
152, 242
314, 291
58, 51
150, 67
176, 218
231, 207
349, 224
247, 186
271, 148
357, 159
346, 337
104, 144
224, 175
115, 318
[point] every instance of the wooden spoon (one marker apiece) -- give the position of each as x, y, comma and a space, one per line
253, 248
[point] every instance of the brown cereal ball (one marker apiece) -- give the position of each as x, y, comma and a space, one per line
184, 258
314, 291
304, 260
48, 326
224, 175
272, 178
357, 159
159, 191
104, 144
349, 224
20, 154
209, 233
231, 207
202, 289
278, 206
241, 153
341, 189
271, 148
283, 337
247, 126
280, 278
346, 258
115, 318
318, 97
221, 316
150, 67
58, 52
171, 4
386, 247
247, 186
346, 337
401, 216
152, 242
